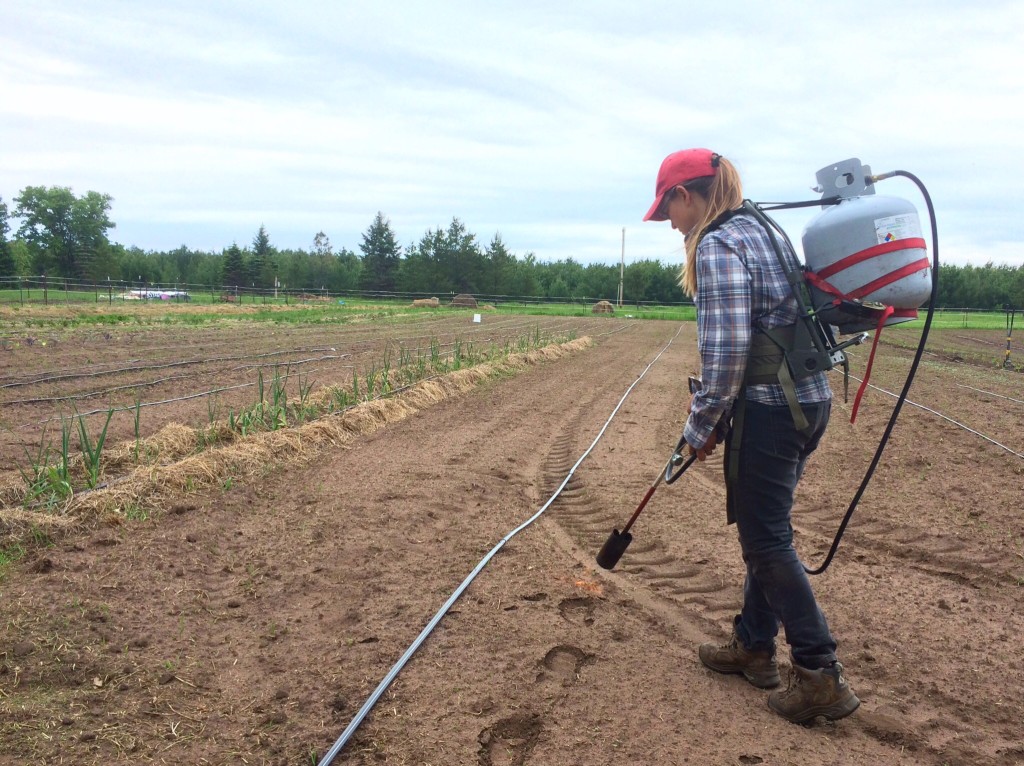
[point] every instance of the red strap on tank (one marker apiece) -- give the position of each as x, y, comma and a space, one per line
824, 286
818, 281
893, 276
888, 312
871, 252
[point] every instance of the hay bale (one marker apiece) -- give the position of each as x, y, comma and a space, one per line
464, 301
603, 307
427, 302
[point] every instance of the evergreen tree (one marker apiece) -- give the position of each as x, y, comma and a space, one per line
524, 277
381, 256
500, 267
347, 270
233, 272
417, 272
263, 263
600, 282
463, 263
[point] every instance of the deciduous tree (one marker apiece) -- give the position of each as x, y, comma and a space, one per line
65, 234
7, 267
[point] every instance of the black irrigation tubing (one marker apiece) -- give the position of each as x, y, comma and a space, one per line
137, 363
333, 413
140, 368
947, 418
131, 408
99, 373
53, 378
404, 659
140, 405
158, 381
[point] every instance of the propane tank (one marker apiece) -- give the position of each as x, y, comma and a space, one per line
864, 254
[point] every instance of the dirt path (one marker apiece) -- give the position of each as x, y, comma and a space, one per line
251, 623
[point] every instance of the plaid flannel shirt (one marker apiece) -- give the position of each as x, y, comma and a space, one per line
740, 286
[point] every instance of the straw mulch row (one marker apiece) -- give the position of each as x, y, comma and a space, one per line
183, 459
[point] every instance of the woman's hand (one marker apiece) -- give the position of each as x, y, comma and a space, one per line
712, 442
707, 449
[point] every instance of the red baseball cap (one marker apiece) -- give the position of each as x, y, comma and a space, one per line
678, 168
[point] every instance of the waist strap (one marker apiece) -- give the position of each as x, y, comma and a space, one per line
767, 364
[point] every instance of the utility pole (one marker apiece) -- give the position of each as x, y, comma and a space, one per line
622, 265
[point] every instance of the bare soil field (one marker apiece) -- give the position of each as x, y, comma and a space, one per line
249, 621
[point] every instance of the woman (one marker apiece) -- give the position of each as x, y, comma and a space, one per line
742, 298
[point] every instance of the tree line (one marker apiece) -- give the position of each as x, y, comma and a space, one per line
63, 235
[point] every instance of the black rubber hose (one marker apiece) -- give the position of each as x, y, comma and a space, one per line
910, 376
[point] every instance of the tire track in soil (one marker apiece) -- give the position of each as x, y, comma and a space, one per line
650, 561
926, 711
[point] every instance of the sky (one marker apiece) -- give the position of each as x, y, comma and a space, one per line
542, 122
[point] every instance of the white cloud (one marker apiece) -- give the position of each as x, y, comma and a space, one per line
546, 122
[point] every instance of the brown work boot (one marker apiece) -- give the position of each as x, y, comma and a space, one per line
812, 693
759, 668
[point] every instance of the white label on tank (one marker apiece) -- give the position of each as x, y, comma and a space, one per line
897, 227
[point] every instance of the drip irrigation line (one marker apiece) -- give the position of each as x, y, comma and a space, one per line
404, 659
132, 407
148, 383
333, 413
137, 368
167, 365
93, 394
140, 405
947, 418
990, 393
999, 344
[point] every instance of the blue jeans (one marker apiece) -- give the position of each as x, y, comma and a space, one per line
777, 590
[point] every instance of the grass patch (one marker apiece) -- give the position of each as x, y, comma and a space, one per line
202, 311
10, 555
685, 313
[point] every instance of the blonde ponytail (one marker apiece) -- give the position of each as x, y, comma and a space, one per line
723, 192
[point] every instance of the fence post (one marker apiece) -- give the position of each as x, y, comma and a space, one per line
46, 292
